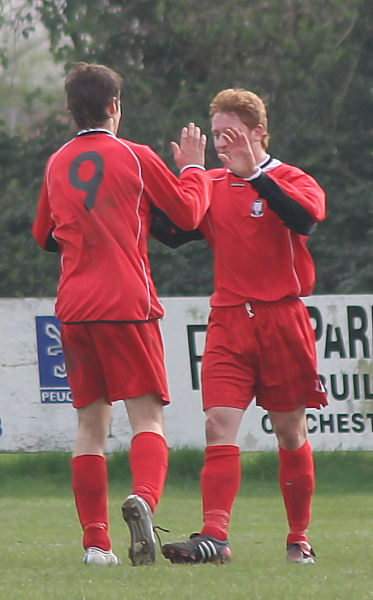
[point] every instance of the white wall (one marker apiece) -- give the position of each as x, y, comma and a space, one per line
343, 326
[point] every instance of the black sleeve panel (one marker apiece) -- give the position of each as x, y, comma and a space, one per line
293, 215
165, 231
51, 244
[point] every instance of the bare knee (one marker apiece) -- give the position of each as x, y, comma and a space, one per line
145, 413
222, 424
290, 428
214, 429
290, 440
93, 427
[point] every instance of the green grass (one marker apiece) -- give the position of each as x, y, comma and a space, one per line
40, 538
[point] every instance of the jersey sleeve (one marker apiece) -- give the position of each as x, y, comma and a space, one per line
295, 196
166, 232
184, 199
43, 225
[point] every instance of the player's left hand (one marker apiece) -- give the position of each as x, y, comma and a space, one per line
192, 148
238, 157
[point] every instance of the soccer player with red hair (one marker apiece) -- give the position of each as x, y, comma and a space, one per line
260, 343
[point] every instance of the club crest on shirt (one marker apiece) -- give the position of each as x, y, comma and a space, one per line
257, 208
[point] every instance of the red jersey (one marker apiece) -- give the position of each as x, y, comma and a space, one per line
256, 256
95, 198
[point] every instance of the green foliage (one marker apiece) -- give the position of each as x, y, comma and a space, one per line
24, 269
311, 61
258, 468
187, 271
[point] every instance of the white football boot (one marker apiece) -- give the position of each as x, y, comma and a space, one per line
103, 558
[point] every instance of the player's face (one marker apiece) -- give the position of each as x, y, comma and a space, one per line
222, 121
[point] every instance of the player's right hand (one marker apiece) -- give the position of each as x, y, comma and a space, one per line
192, 147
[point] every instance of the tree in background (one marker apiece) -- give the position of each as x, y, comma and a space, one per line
310, 59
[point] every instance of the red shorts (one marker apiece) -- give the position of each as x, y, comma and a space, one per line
114, 361
269, 354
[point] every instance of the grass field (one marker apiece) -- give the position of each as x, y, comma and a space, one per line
40, 538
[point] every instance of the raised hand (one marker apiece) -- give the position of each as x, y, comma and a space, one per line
192, 148
238, 155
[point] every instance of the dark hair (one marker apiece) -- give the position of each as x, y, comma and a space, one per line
89, 89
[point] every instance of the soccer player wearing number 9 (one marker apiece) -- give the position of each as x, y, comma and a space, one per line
94, 208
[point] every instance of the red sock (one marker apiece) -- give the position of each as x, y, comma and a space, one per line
220, 482
90, 487
149, 463
297, 482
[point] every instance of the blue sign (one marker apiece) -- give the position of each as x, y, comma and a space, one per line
54, 387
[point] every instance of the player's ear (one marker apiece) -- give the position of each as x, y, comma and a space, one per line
113, 106
257, 133
116, 101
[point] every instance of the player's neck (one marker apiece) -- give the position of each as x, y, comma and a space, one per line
260, 155
111, 125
